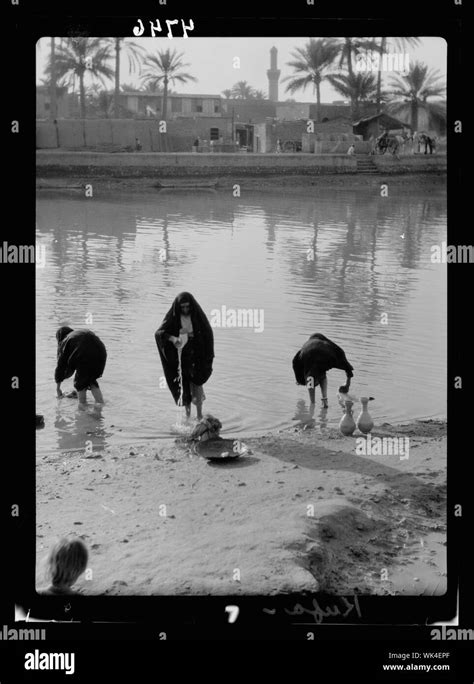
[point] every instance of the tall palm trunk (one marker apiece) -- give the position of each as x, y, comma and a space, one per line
414, 115
53, 107
318, 101
165, 98
349, 56
117, 78
383, 43
356, 109
350, 68
353, 109
82, 94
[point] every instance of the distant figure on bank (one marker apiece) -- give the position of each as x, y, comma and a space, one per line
82, 352
315, 358
138, 145
186, 332
351, 149
196, 145
278, 147
428, 141
66, 562
416, 142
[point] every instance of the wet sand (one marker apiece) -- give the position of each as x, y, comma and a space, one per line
302, 512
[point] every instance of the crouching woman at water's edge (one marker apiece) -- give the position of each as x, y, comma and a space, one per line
185, 318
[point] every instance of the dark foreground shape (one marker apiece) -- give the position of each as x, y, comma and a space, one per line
39, 421
221, 450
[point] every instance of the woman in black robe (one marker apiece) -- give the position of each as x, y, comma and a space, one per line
186, 317
315, 357
83, 352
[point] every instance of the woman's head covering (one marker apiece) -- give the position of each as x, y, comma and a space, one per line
62, 332
181, 299
173, 316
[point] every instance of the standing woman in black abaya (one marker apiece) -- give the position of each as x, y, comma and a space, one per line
186, 328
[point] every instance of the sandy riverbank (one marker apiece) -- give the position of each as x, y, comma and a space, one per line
378, 523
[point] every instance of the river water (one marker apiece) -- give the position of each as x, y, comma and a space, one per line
347, 263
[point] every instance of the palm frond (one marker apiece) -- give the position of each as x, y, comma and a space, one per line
298, 84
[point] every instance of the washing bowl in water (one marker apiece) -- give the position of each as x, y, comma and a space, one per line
221, 449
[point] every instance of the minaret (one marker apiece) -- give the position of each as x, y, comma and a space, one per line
273, 75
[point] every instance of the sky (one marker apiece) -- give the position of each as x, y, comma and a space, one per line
211, 61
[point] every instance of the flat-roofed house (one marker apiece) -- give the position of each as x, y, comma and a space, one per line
143, 104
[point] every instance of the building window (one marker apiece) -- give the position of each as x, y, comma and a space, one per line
215, 134
196, 105
47, 106
176, 104
217, 106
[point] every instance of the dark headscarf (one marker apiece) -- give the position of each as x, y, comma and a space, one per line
62, 332
197, 355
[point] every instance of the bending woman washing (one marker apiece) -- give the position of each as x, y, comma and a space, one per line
314, 359
186, 319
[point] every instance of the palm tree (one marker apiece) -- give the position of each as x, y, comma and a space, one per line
348, 48
135, 54
128, 87
410, 92
400, 45
311, 62
358, 88
164, 68
156, 90
75, 58
53, 110
242, 91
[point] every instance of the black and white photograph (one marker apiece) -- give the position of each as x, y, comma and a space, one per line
241, 314
235, 265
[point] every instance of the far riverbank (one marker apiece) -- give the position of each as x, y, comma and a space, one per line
282, 170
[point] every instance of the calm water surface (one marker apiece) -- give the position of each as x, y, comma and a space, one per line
331, 261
